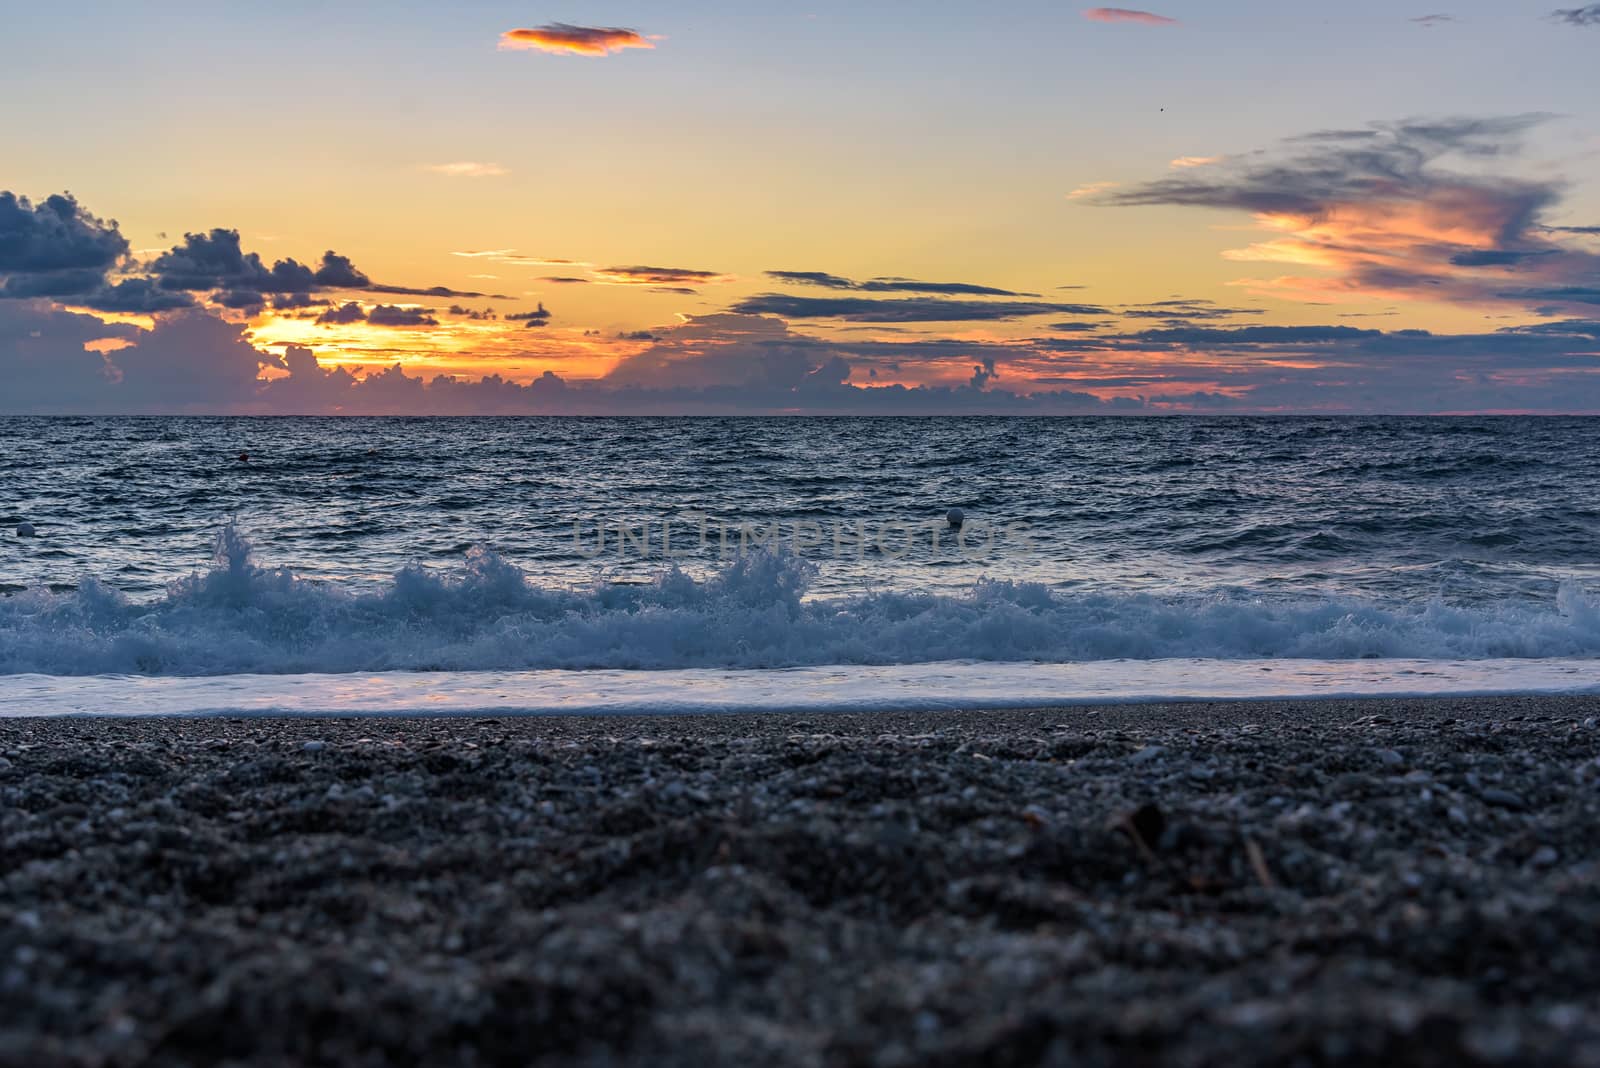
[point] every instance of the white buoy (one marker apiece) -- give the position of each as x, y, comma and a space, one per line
955, 517
25, 529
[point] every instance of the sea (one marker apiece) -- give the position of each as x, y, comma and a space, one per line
239, 566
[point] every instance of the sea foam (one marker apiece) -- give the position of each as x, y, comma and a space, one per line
242, 617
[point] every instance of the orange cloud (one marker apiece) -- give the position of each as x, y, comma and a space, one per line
1184, 162
1092, 189
468, 169
559, 38
1123, 14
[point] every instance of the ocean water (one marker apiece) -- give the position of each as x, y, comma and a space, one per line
377, 565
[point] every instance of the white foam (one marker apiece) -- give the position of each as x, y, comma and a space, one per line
239, 617
946, 685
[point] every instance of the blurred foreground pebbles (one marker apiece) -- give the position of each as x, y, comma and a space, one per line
1397, 882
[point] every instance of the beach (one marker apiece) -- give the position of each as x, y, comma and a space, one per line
1231, 884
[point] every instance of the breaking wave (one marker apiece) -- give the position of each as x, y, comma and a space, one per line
241, 617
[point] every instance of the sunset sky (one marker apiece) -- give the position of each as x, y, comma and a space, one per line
739, 207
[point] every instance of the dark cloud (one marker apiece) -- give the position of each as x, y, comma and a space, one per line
1559, 295
290, 301
540, 316
343, 315
337, 272
1255, 335
565, 280
54, 248
906, 310
1347, 165
682, 291
1496, 257
1578, 16
135, 296
812, 278
68, 283
240, 299
406, 318
430, 291
1428, 21
1186, 309
55, 235
1079, 327
215, 260
657, 276
890, 285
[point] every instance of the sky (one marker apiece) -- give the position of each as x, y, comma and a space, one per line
890, 208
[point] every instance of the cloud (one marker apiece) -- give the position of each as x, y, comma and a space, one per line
468, 169
559, 38
134, 296
1123, 14
338, 272
215, 260
1381, 213
540, 316
1185, 162
1186, 309
1578, 16
657, 276
890, 285
1430, 21
343, 315
517, 259
54, 248
564, 280
812, 278
195, 361
402, 318
906, 310
1093, 189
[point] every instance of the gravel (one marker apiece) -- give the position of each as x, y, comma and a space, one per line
1225, 884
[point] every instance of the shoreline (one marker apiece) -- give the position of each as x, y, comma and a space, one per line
1227, 883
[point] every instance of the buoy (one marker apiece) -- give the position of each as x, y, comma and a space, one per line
244, 457
25, 529
955, 517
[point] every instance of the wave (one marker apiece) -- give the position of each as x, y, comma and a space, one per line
241, 617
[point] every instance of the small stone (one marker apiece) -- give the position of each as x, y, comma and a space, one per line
1544, 857
314, 746
1503, 798
1147, 754
1389, 758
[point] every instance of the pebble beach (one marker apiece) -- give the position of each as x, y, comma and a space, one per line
1220, 884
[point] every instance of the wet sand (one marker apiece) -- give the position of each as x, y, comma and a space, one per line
1212, 884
